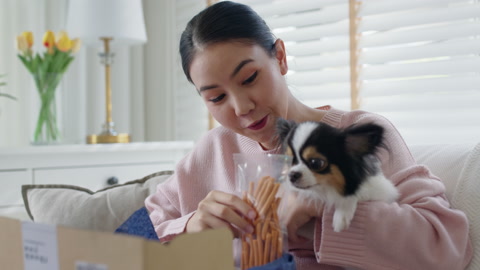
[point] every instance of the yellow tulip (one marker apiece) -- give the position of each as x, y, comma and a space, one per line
22, 44
63, 43
49, 41
76, 44
28, 37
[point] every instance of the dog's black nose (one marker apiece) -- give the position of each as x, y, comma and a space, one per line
294, 176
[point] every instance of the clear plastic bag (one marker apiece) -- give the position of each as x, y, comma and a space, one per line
259, 181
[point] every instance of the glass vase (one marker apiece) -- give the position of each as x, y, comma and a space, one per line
46, 129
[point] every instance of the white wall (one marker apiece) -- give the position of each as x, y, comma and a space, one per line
158, 72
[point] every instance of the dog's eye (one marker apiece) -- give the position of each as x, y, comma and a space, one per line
316, 164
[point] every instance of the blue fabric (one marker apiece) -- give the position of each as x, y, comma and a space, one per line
286, 262
138, 224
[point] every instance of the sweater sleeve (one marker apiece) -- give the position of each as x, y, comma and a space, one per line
165, 210
176, 199
419, 231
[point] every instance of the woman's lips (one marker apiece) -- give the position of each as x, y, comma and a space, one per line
259, 124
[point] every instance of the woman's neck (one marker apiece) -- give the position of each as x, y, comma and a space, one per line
300, 112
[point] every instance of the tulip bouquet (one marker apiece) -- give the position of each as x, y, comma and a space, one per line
47, 70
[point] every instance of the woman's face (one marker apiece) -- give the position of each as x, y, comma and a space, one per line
243, 87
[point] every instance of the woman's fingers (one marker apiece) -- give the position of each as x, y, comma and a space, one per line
220, 209
299, 217
231, 209
230, 214
234, 202
292, 230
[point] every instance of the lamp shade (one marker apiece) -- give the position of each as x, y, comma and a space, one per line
121, 20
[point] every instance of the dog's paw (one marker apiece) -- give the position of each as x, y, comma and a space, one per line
341, 221
344, 213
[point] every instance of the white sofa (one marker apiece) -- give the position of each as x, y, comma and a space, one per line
458, 165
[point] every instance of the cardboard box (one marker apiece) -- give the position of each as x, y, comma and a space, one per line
32, 246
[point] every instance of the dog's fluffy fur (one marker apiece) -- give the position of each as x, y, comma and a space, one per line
337, 166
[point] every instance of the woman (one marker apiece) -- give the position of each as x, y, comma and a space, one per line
238, 68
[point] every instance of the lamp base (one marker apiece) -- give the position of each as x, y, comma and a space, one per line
107, 138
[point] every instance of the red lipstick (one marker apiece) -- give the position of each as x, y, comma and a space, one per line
259, 124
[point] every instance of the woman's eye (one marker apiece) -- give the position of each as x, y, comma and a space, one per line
250, 79
217, 99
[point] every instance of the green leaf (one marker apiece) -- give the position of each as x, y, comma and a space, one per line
63, 58
8, 96
26, 63
37, 61
67, 63
45, 64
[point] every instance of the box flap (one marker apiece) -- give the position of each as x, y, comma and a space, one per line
106, 250
208, 250
11, 250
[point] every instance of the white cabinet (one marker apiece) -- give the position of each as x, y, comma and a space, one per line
90, 166
11, 184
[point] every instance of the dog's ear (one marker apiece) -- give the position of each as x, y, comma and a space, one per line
283, 128
363, 139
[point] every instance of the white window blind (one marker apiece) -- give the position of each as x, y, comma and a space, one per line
418, 64
420, 67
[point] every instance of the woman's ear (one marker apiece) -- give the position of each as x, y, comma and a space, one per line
281, 56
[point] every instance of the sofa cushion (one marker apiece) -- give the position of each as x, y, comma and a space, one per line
445, 161
458, 165
77, 207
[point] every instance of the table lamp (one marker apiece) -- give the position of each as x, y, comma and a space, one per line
107, 23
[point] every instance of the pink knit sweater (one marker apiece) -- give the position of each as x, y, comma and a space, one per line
421, 231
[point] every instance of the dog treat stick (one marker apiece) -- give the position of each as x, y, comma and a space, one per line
259, 187
273, 249
260, 251
251, 187
251, 255
268, 186
269, 199
263, 188
266, 226
257, 251
245, 252
279, 245
266, 251
258, 228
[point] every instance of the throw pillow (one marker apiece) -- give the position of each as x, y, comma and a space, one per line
77, 207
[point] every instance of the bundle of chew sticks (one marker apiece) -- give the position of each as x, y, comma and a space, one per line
265, 244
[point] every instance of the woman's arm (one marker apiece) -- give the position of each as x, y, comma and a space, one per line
420, 231
165, 211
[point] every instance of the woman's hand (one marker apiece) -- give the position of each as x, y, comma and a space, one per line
299, 215
219, 210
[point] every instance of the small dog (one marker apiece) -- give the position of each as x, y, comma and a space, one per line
337, 166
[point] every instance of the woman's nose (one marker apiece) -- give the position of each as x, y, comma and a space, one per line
242, 104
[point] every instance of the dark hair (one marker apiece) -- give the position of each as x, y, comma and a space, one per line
224, 21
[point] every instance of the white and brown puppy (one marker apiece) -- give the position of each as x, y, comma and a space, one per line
337, 166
